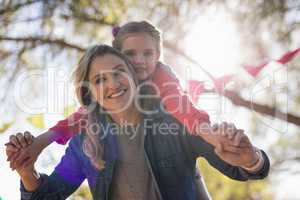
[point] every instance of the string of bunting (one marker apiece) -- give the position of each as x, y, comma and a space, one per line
196, 88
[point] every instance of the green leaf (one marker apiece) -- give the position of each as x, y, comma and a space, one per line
6, 126
69, 110
37, 121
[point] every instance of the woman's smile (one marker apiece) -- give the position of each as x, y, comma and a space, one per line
117, 94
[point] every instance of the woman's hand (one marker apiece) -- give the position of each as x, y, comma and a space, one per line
243, 156
231, 144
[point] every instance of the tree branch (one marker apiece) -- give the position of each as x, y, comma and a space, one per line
86, 18
17, 6
41, 40
263, 109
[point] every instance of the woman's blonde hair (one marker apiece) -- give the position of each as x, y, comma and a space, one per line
136, 27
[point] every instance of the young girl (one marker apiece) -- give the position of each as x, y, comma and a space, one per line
141, 43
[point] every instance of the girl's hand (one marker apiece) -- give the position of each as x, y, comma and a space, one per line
20, 150
29, 153
22, 145
221, 136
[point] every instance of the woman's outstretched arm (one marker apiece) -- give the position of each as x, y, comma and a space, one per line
237, 162
65, 179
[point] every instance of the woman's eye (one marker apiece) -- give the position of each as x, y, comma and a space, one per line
100, 80
119, 72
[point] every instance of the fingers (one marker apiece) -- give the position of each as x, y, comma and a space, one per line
21, 159
9, 154
203, 129
16, 162
11, 148
238, 137
224, 129
12, 160
21, 140
215, 127
14, 140
219, 146
230, 131
235, 149
28, 137
17, 153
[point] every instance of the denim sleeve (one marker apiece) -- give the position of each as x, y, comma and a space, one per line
200, 148
65, 179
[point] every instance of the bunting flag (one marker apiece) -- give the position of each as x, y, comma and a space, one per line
37, 121
221, 82
195, 89
6, 126
255, 70
288, 56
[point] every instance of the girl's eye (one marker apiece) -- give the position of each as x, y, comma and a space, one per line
148, 53
129, 54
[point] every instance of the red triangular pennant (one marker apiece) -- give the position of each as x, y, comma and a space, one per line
254, 70
195, 89
288, 56
221, 82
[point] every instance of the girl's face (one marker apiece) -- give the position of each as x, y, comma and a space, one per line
111, 83
141, 49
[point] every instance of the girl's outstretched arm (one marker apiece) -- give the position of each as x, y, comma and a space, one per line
176, 102
60, 133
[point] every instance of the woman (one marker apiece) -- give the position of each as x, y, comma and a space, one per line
138, 151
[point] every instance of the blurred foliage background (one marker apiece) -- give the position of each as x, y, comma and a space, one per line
39, 35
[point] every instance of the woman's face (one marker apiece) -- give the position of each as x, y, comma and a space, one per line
111, 83
141, 50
